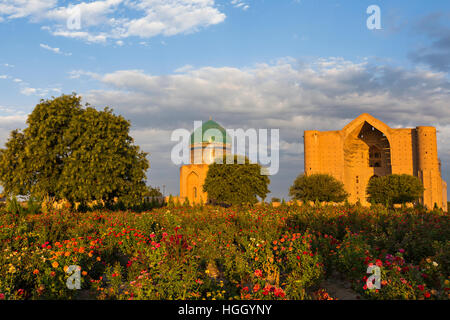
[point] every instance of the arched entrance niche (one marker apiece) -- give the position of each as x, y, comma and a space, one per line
367, 153
192, 186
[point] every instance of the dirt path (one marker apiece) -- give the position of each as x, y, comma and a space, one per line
340, 289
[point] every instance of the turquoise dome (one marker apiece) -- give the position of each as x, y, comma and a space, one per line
207, 137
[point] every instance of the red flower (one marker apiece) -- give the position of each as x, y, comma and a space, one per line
421, 287
427, 294
279, 292
258, 273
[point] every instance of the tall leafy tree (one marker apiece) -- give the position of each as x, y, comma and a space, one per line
235, 183
318, 187
76, 153
14, 175
395, 189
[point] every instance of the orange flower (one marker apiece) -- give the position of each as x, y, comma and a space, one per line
98, 259
55, 264
52, 273
65, 268
84, 273
36, 271
67, 253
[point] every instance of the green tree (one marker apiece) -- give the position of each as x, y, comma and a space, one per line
394, 189
235, 183
72, 152
14, 176
153, 192
318, 187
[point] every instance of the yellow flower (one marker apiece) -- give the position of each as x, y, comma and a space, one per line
12, 269
55, 264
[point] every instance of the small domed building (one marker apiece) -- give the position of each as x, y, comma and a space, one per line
208, 142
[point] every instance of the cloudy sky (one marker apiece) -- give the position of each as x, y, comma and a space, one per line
292, 65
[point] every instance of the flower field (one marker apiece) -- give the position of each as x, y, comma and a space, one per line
208, 253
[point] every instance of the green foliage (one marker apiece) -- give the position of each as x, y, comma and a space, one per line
153, 192
13, 206
318, 187
33, 205
394, 189
74, 153
235, 183
170, 202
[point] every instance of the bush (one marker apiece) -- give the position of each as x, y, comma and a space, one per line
13, 206
235, 183
318, 187
394, 189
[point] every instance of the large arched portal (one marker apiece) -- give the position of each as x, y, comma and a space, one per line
367, 153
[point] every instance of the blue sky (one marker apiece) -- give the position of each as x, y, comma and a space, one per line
292, 65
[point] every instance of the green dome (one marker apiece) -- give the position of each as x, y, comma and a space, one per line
208, 137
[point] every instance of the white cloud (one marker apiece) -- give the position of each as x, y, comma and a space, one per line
3, 76
28, 91
284, 91
35, 9
76, 74
54, 50
240, 4
117, 19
